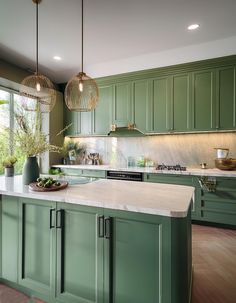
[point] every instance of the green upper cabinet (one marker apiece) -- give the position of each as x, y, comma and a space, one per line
161, 105
226, 103
86, 123
79, 255
37, 245
122, 106
73, 118
102, 114
180, 102
193, 97
203, 100
142, 104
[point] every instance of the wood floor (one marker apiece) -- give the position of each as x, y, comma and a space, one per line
214, 261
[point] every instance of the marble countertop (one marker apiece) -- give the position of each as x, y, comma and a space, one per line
190, 171
150, 198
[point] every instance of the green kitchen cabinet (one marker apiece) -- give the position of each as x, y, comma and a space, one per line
122, 112
161, 105
180, 103
143, 117
10, 236
37, 247
226, 99
73, 118
102, 114
86, 123
79, 254
140, 265
180, 180
219, 206
203, 100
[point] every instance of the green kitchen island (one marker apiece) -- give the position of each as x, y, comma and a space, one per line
106, 241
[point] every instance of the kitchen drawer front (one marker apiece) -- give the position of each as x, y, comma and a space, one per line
72, 171
94, 173
221, 195
171, 179
219, 205
218, 216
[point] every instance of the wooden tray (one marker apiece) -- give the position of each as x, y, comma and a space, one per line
33, 186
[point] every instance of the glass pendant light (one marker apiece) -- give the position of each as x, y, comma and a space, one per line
37, 90
81, 92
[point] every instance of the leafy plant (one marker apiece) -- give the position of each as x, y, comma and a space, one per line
29, 137
9, 161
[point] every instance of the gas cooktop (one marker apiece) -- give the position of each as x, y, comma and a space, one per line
176, 167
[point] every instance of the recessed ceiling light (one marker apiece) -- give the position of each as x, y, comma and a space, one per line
57, 58
193, 27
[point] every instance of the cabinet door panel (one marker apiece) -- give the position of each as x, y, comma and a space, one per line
37, 247
102, 119
204, 100
73, 118
142, 106
226, 98
161, 105
10, 233
123, 104
181, 98
86, 123
80, 256
136, 269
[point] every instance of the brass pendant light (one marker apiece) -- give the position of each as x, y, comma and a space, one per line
37, 87
81, 92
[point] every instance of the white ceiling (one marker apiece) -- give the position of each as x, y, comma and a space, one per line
119, 35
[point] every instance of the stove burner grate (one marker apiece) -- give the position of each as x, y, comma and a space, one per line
176, 167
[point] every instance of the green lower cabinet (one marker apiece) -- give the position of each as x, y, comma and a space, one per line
220, 206
180, 180
37, 246
10, 230
69, 253
79, 255
143, 254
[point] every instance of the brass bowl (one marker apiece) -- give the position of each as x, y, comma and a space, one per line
225, 163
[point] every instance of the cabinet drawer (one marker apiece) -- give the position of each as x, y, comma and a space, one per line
218, 205
72, 171
94, 173
171, 179
219, 217
221, 195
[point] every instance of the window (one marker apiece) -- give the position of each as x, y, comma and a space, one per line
9, 104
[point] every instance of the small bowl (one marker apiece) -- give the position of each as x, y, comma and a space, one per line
225, 163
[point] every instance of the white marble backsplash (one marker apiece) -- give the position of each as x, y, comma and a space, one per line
185, 149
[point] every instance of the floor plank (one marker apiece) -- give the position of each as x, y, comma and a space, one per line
214, 261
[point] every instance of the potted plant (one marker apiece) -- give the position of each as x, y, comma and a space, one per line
8, 164
71, 150
32, 142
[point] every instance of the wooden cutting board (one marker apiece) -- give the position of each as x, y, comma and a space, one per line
33, 186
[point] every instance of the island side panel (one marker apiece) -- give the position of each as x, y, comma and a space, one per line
139, 257
181, 259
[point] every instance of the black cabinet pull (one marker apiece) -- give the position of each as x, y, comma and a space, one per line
50, 224
107, 227
59, 219
100, 221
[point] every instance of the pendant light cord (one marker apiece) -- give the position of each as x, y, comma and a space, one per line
82, 35
37, 39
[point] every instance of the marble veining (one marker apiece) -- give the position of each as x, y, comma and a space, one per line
150, 198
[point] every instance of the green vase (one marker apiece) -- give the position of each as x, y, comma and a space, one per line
30, 170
